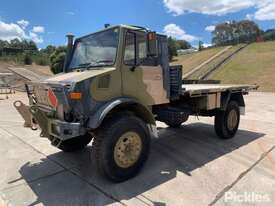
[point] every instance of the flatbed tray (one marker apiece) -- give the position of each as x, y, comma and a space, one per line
204, 89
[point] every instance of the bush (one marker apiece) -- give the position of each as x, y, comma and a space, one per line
172, 48
269, 35
27, 59
41, 59
13, 59
42, 62
57, 60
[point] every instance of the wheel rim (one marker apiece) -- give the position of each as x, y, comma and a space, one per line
127, 149
232, 120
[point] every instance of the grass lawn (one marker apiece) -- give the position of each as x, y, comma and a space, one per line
190, 61
206, 68
253, 65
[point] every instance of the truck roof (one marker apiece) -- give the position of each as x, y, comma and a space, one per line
132, 27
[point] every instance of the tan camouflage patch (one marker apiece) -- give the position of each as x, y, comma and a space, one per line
153, 79
77, 76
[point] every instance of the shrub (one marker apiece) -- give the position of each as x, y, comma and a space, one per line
57, 60
42, 62
41, 59
13, 59
27, 59
172, 48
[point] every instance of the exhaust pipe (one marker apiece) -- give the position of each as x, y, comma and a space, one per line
107, 26
70, 42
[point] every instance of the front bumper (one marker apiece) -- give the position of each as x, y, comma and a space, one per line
41, 112
51, 127
64, 130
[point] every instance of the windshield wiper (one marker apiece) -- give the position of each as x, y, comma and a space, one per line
104, 61
98, 63
84, 65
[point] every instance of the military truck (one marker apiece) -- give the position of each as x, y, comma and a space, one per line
115, 85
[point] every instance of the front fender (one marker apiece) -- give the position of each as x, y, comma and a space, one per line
96, 119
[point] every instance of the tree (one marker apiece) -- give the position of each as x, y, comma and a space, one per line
15, 43
182, 44
200, 47
57, 59
19, 44
32, 46
48, 50
172, 48
269, 35
230, 33
3, 43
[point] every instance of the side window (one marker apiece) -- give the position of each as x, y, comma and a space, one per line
136, 50
130, 53
142, 47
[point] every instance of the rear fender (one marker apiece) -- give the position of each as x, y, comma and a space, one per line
238, 97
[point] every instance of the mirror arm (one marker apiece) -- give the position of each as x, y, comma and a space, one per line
133, 68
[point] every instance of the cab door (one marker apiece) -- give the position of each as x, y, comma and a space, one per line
142, 76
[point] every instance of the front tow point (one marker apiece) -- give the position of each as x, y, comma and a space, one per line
24, 111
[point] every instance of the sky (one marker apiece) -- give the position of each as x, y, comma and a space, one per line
47, 22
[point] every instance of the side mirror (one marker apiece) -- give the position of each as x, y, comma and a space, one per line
152, 49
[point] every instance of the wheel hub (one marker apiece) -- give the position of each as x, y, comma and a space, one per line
232, 120
127, 149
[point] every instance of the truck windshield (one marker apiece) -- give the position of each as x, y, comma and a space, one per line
95, 50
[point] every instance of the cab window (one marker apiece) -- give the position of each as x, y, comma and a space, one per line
130, 49
136, 50
142, 47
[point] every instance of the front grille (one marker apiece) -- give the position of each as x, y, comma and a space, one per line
41, 94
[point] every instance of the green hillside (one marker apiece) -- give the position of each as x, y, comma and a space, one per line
216, 61
190, 61
253, 65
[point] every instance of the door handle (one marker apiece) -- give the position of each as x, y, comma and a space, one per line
157, 77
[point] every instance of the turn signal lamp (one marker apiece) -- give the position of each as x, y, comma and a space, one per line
75, 95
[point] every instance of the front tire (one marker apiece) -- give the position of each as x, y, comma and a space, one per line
227, 122
121, 147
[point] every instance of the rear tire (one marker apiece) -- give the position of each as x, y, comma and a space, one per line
75, 144
227, 122
122, 146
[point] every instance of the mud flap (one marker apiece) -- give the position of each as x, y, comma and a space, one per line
24, 111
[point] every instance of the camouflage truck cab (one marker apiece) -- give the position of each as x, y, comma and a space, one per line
116, 83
